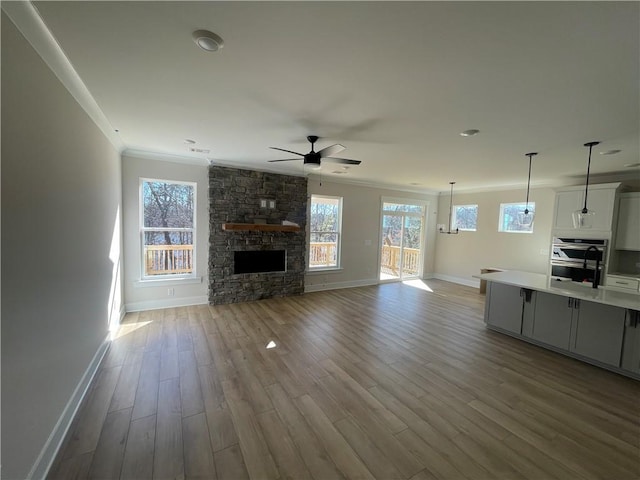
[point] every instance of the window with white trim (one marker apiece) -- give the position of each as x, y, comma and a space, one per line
325, 225
510, 217
167, 228
464, 217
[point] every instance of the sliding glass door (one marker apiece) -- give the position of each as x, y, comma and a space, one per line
402, 241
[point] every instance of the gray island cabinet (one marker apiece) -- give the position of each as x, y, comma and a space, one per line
594, 325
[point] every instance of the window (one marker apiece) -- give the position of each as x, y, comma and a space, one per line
509, 217
464, 217
167, 228
325, 227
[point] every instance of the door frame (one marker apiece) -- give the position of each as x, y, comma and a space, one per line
423, 235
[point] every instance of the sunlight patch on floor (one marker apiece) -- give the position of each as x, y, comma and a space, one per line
417, 283
127, 328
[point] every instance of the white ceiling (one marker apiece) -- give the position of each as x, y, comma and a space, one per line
393, 82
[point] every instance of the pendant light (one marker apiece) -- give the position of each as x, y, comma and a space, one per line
450, 232
584, 218
526, 218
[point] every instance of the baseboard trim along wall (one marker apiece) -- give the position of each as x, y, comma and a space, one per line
166, 303
469, 282
337, 285
51, 447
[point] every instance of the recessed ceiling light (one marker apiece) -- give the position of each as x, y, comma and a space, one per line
470, 133
188, 141
207, 40
610, 152
632, 165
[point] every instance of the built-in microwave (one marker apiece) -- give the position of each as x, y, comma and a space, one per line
578, 260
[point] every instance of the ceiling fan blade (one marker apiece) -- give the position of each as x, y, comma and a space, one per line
331, 150
288, 151
344, 161
285, 160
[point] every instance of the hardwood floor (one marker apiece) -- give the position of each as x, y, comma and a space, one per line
386, 382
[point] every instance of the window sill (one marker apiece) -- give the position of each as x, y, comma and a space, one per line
162, 282
323, 270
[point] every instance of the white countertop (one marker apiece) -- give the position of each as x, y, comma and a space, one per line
543, 283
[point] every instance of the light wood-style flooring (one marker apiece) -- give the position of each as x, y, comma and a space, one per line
385, 382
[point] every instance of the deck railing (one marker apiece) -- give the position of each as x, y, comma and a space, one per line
391, 260
323, 254
168, 259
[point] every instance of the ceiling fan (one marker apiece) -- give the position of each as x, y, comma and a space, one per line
314, 158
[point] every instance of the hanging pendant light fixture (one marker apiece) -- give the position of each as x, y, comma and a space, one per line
450, 232
583, 218
526, 218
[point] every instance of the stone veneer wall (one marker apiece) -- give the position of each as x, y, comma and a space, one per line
234, 197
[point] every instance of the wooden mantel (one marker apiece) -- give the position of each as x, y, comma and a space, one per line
258, 227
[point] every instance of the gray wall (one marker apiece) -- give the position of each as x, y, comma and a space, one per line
60, 249
154, 294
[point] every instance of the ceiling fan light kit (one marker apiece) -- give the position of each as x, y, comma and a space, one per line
584, 218
313, 160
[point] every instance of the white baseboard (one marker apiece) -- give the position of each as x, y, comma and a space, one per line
337, 285
51, 447
166, 303
469, 282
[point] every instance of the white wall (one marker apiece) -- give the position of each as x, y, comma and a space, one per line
60, 254
360, 224
154, 294
458, 257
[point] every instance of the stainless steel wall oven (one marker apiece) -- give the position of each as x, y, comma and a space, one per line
578, 259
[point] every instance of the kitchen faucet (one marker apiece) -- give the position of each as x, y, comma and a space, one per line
596, 275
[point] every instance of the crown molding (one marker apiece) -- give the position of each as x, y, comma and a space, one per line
363, 183
164, 157
28, 21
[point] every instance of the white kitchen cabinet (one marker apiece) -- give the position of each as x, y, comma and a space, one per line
600, 199
623, 283
567, 202
628, 228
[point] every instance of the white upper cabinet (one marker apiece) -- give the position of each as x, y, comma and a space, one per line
567, 202
628, 231
600, 200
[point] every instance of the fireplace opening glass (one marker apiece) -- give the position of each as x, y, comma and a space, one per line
259, 261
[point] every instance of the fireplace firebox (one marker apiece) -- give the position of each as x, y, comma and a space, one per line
259, 261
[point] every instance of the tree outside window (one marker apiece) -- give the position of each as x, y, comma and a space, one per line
325, 229
167, 227
508, 221
464, 217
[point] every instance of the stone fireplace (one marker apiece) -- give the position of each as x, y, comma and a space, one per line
245, 209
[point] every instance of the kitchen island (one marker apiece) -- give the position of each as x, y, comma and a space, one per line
595, 325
